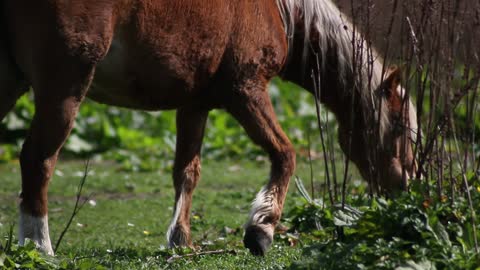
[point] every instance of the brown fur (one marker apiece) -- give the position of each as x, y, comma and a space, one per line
189, 55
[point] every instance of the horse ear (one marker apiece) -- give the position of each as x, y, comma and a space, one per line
391, 88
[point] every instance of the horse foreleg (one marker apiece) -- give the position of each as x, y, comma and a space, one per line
186, 172
57, 100
253, 109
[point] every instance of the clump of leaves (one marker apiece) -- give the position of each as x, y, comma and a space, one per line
411, 231
13, 256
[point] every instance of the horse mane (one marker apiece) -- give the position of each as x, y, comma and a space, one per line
359, 65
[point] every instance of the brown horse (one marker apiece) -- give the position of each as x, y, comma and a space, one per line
195, 56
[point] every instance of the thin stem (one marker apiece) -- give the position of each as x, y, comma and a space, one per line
78, 205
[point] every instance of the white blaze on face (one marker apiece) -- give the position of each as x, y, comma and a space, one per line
412, 118
412, 115
411, 125
35, 229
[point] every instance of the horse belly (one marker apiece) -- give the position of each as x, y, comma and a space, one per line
121, 79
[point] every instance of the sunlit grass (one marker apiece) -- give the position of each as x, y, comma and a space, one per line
124, 224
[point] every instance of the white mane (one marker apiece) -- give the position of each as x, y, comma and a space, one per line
355, 59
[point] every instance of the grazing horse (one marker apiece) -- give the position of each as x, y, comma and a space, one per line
194, 56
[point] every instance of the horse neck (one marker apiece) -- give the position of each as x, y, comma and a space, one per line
323, 58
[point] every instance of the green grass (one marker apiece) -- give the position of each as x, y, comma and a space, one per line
126, 227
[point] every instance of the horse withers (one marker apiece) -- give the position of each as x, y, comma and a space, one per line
194, 56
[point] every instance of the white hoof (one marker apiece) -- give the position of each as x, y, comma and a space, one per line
35, 229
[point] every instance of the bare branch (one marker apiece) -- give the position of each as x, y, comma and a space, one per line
78, 205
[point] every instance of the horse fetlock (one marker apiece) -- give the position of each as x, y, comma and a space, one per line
258, 238
35, 229
264, 216
266, 208
179, 237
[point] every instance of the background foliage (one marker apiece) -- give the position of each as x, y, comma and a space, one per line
146, 140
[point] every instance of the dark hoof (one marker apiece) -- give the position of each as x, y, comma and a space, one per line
257, 241
179, 238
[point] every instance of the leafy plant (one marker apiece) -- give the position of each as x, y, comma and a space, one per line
411, 231
13, 256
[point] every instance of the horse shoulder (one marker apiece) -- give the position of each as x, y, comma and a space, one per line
88, 26
259, 42
78, 28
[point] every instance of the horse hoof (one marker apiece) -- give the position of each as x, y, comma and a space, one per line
257, 240
179, 238
35, 229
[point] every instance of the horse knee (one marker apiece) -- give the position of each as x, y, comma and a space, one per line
284, 161
186, 176
290, 158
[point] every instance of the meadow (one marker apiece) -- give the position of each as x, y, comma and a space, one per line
128, 200
332, 219
123, 223
128, 193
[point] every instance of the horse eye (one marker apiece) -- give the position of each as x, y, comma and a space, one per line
397, 124
386, 92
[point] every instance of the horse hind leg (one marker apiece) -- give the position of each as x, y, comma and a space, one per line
58, 94
255, 113
186, 172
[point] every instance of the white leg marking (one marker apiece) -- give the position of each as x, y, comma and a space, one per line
262, 207
36, 229
173, 224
